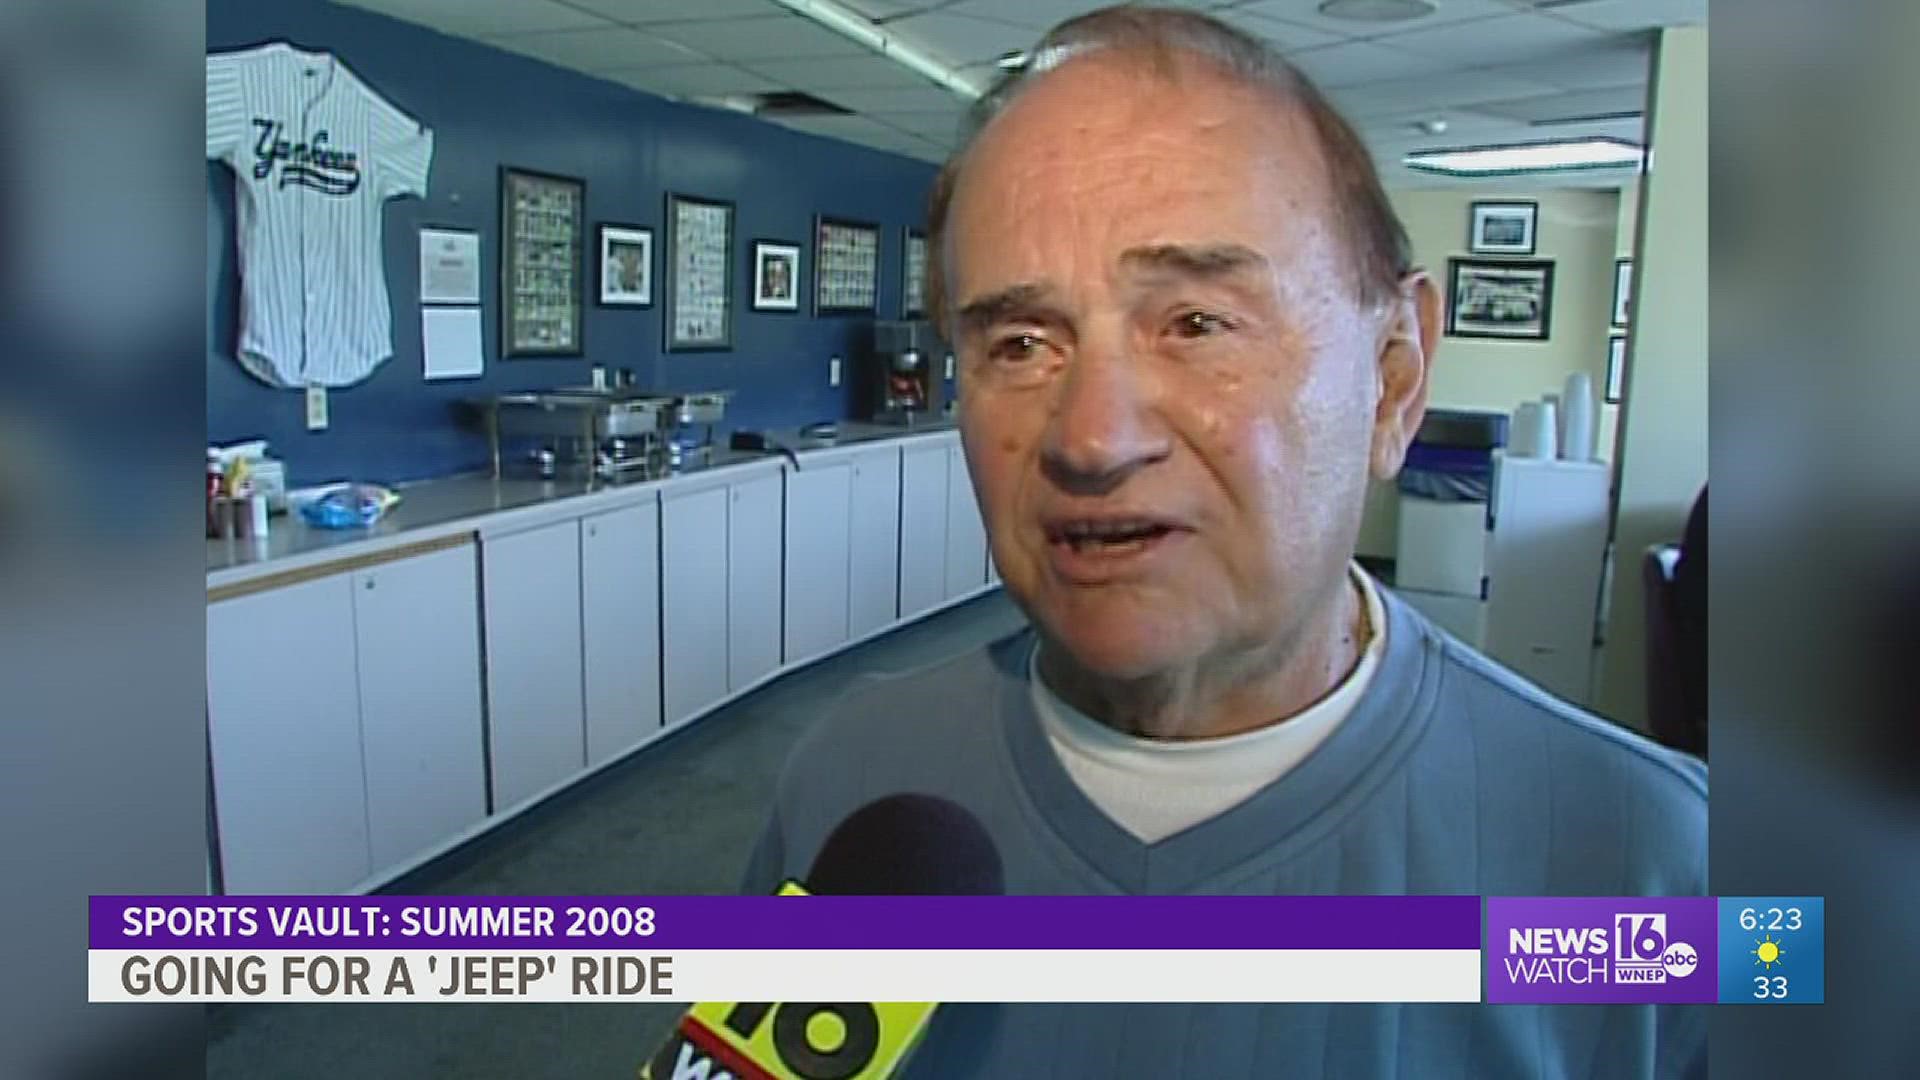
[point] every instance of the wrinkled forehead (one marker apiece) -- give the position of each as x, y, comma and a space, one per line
1107, 153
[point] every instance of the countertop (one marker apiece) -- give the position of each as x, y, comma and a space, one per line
432, 509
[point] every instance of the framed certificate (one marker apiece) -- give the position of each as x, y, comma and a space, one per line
699, 236
846, 266
542, 234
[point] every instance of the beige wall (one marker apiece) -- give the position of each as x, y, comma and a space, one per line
1577, 229
1662, 444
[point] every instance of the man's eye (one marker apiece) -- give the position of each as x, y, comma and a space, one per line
1198, 324
1014, 347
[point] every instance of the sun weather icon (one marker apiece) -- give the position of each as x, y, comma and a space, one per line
1767, 952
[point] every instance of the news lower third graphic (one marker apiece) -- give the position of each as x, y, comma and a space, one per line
784, 948
1766, 950
1644, 950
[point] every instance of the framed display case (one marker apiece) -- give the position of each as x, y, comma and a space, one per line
542, 235
913, 283
699, 273
846, 266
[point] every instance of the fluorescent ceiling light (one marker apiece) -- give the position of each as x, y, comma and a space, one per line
1556, 156
863, 31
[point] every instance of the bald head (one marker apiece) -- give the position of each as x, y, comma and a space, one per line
1163, 47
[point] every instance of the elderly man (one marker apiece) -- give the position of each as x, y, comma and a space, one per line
1189, 333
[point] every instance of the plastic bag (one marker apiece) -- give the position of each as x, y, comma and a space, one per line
352, 506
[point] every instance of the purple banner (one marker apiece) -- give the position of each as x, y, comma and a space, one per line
1605, 950
666, 923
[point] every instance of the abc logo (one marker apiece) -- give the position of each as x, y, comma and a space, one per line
1679, 959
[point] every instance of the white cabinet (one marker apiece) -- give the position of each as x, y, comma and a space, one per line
966, 536
753, 579
417, 626
620, 624
923, 526
1544, 562
535, 711
818, 523
873, 559
693, 599
283, 729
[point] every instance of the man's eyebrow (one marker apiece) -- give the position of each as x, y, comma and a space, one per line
1205, 261
1025, 299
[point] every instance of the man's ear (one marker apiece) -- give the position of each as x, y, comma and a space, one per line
1408, 336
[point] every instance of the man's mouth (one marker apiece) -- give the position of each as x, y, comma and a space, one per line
1108, 536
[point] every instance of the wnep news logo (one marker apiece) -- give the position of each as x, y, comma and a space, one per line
1601, 949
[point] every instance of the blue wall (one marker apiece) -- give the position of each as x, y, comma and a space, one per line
490, 108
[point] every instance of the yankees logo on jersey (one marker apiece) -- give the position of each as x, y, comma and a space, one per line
316, 154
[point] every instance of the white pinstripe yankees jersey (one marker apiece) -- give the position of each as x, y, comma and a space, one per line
317, 154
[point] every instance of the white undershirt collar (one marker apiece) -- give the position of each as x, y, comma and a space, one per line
1154, 788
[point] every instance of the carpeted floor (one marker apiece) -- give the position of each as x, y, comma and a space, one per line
677, 818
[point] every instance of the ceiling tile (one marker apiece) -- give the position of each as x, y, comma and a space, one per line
706, 80
1434, 92
864, 72
1492, 41
1634, 14
609, 48
840, 127
1403, 126
1306, 13
777, 37
478, 17
913, 99
654, 11
1360, 62
1617, 62
941, 126
915, 118
1284, 36
1559, 106
879, 9
962, 37
1037, 16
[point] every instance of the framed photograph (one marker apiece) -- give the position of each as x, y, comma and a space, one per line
1502, 228
776, 276
699, 273
626, 265
1622, 290
1511, 299
913, 288
846, 266
542, 237
1616, 367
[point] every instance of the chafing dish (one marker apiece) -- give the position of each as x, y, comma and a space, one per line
579, 425
704, 407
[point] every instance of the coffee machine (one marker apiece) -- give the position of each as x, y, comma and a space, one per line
907, 381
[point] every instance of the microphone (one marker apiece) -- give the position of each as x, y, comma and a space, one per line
908, 845
901, 845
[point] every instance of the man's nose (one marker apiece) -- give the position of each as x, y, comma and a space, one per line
1104, 426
